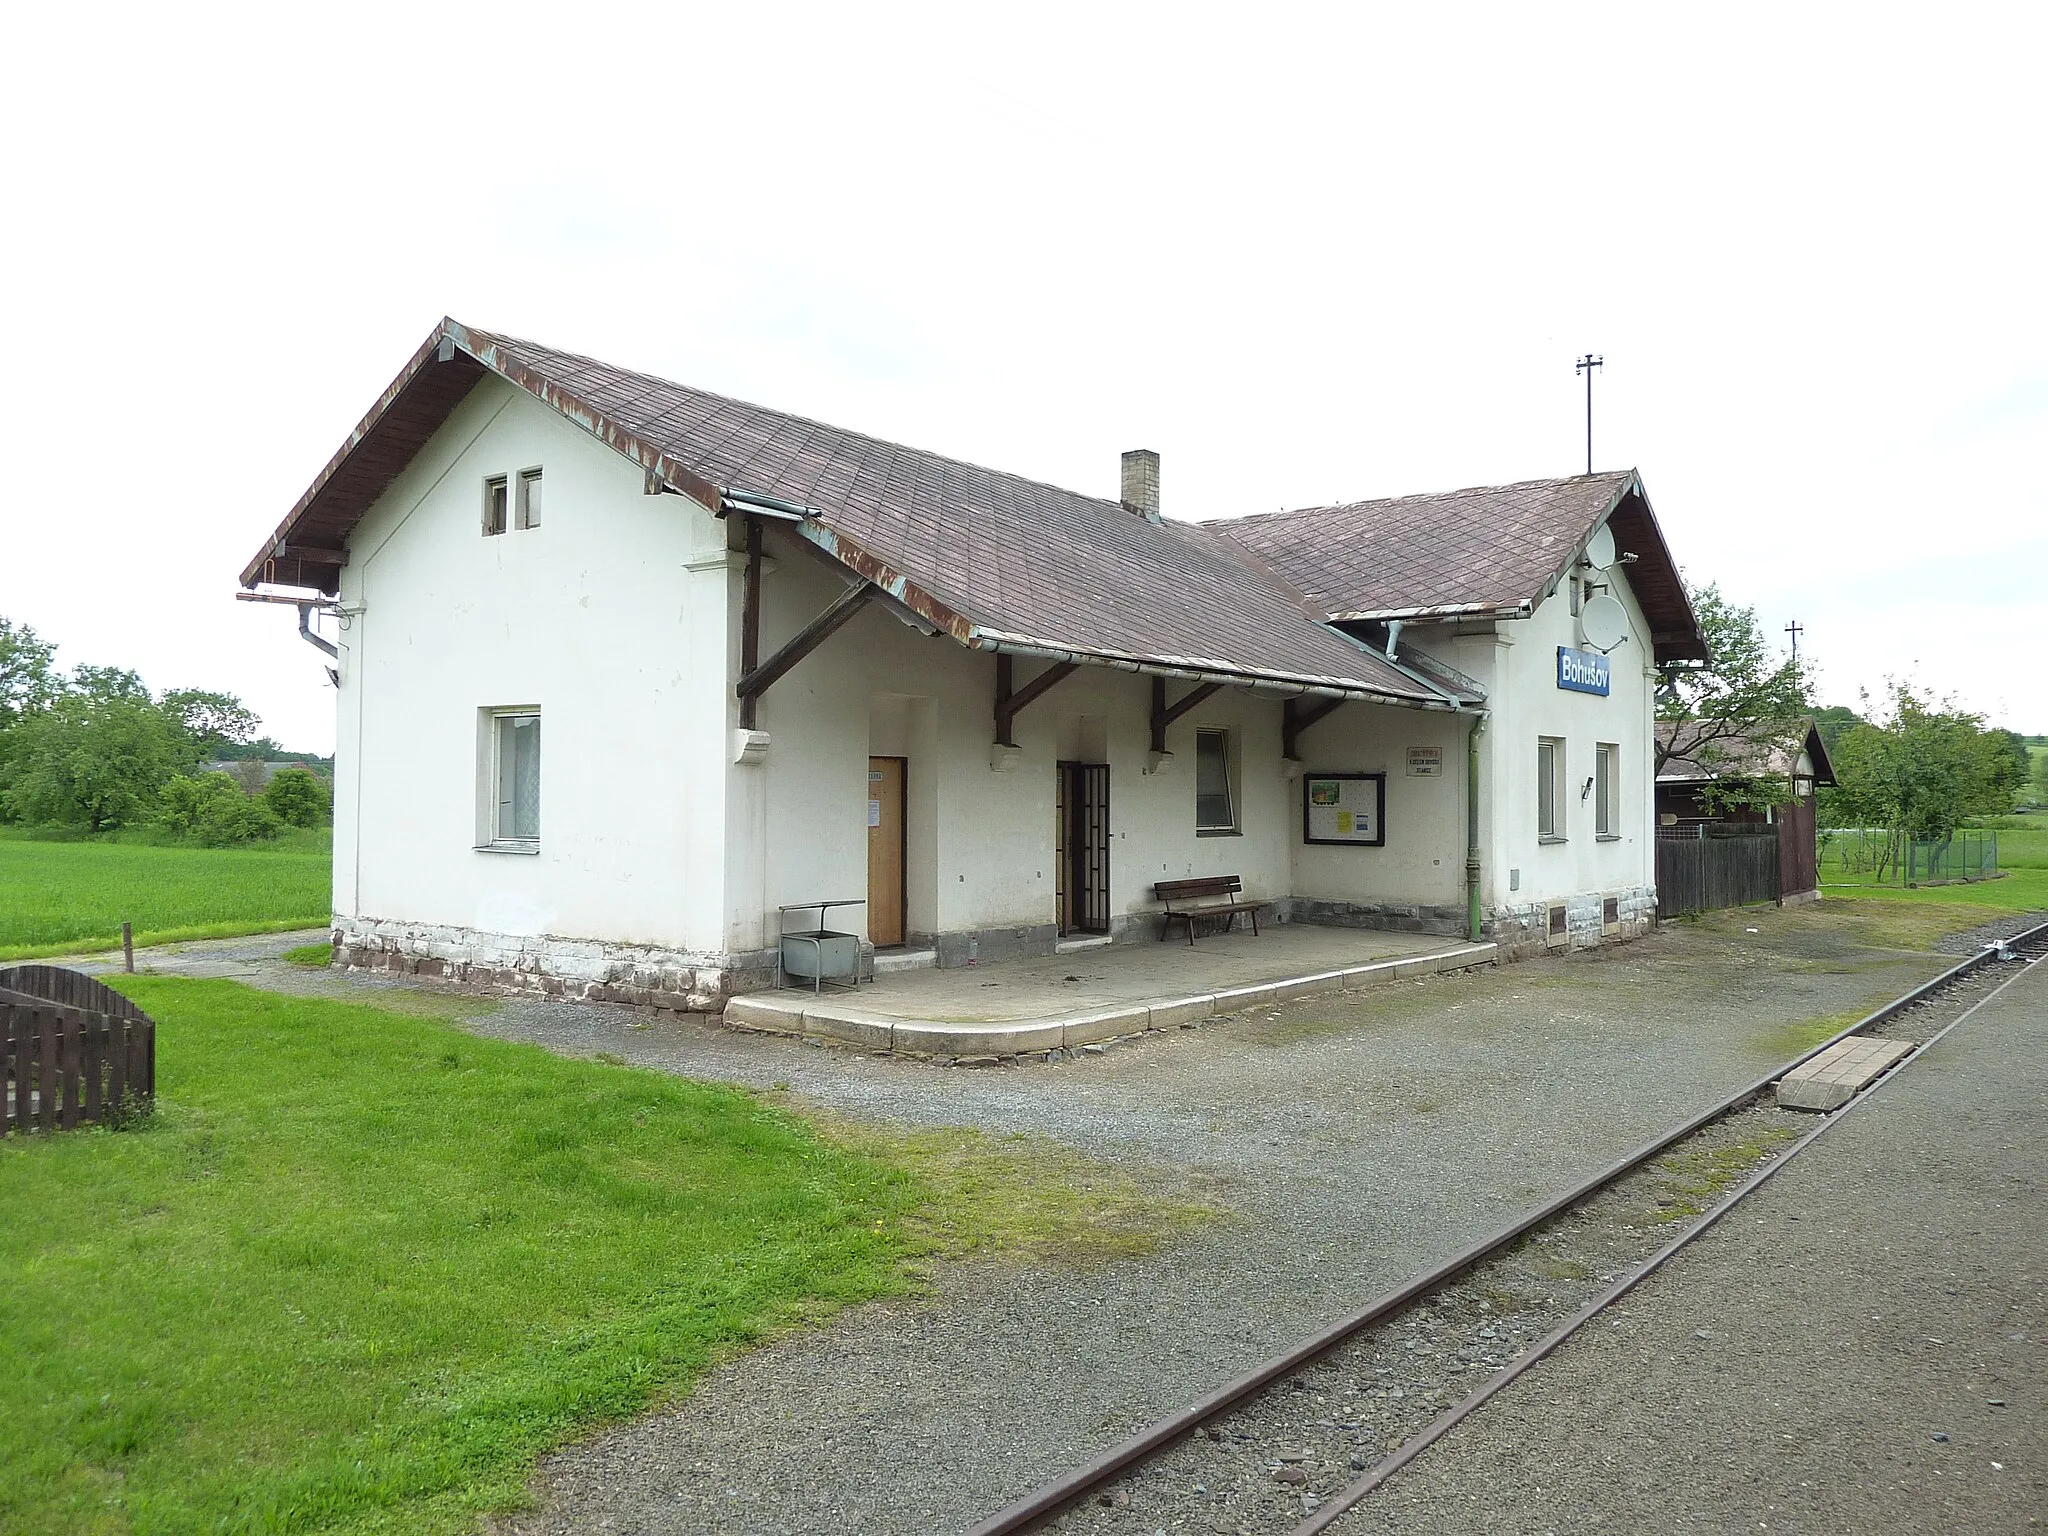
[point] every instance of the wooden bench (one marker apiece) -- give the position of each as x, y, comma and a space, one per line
1197, 899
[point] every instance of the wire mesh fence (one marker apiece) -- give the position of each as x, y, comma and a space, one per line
1872, 856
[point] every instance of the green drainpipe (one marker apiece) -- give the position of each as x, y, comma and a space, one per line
1472, 917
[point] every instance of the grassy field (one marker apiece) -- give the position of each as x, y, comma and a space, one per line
361, 1269
2022, 852
68, 896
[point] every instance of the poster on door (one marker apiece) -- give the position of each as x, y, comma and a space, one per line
1344, 809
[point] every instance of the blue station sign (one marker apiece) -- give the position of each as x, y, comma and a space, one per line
1582, 671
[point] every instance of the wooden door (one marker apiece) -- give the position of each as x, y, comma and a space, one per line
886, 850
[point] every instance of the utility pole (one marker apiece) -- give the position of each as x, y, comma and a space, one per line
1795, 629
1586, 365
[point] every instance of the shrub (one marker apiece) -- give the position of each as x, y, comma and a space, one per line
185, 803
240, 820
299, 798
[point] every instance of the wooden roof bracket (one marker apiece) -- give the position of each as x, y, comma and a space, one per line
756, 676
1297, 715
1010, 699
1163, 716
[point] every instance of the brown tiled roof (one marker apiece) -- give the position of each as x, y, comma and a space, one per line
1488, 549
1005, 559
1762, 749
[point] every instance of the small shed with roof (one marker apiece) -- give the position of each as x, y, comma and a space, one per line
675, 661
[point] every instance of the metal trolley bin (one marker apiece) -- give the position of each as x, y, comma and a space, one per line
819, 953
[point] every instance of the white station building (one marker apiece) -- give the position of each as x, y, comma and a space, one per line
626, 667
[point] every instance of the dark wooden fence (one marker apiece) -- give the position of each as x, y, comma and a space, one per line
1708, 869
1798, 850
71, 1050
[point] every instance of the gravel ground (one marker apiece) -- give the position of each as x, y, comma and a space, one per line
1859, 1348
1970, 940
1360, 1137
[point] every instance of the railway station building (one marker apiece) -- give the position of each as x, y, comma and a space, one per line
625, 667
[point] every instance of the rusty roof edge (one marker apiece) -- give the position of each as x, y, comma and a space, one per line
851, 555
1202, 669
505, 363
1513, 610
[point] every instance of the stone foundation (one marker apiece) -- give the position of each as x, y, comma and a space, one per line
590, 970
1390, 917
1525, 929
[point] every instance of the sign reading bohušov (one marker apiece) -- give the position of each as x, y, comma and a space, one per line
1582, 671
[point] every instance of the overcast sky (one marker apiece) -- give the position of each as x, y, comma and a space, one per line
1307, 255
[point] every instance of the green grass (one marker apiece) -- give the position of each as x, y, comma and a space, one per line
2022, 853
312, 956
59, 897
359, 1270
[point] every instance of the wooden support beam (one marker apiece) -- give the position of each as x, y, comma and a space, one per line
1163, 715
1296, 716
1010, 698
758, 681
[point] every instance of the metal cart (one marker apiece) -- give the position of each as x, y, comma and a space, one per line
818, 952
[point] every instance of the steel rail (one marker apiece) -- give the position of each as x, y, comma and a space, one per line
1347, 1498
1054, 1495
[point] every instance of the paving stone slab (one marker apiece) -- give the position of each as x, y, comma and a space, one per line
1840, 1072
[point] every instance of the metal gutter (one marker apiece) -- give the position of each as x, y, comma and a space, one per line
1520, 610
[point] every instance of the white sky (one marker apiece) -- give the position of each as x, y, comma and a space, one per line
1306, 254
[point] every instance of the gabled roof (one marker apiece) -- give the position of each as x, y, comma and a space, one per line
1486, 551
999, 561
1761, 749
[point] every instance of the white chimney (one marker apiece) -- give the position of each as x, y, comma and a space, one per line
1141, 483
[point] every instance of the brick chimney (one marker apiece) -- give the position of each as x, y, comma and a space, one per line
1141, 483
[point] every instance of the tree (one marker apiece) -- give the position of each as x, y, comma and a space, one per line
213, 720
27, 679
92, 760
1920, 772
298, 798
1730, 711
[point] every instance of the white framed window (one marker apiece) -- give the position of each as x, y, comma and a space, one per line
1215, 806
1607, 791
527, 513
509, 817
494, 504
1550, 789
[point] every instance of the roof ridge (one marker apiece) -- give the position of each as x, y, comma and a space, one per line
814, 422
1223, 523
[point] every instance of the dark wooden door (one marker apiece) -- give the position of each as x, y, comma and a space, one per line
886, 888
1081, 847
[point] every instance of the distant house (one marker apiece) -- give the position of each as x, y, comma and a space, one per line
735, 659
253, 774
1698, 757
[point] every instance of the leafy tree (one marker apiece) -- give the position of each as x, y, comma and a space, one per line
1729, 711
1833, 720
213, 720
298, 798
1921, 772
107, 683
27, 679
92, 760
240, 820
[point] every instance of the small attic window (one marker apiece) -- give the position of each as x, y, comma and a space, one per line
528, 511
494, 505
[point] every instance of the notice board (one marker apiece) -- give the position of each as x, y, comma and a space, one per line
1347, 809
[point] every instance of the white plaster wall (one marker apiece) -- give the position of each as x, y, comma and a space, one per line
981, 842
1528, 704
1423, 861
597, 618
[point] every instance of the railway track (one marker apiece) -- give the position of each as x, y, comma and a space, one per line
1294, 1444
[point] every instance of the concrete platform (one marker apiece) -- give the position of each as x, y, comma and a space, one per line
1840, 1072
1082, 997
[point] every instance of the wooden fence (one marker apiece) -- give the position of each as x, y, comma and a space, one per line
1699, 874
86, 1054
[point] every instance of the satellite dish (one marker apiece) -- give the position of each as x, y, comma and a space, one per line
1604, 622
1600, 548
